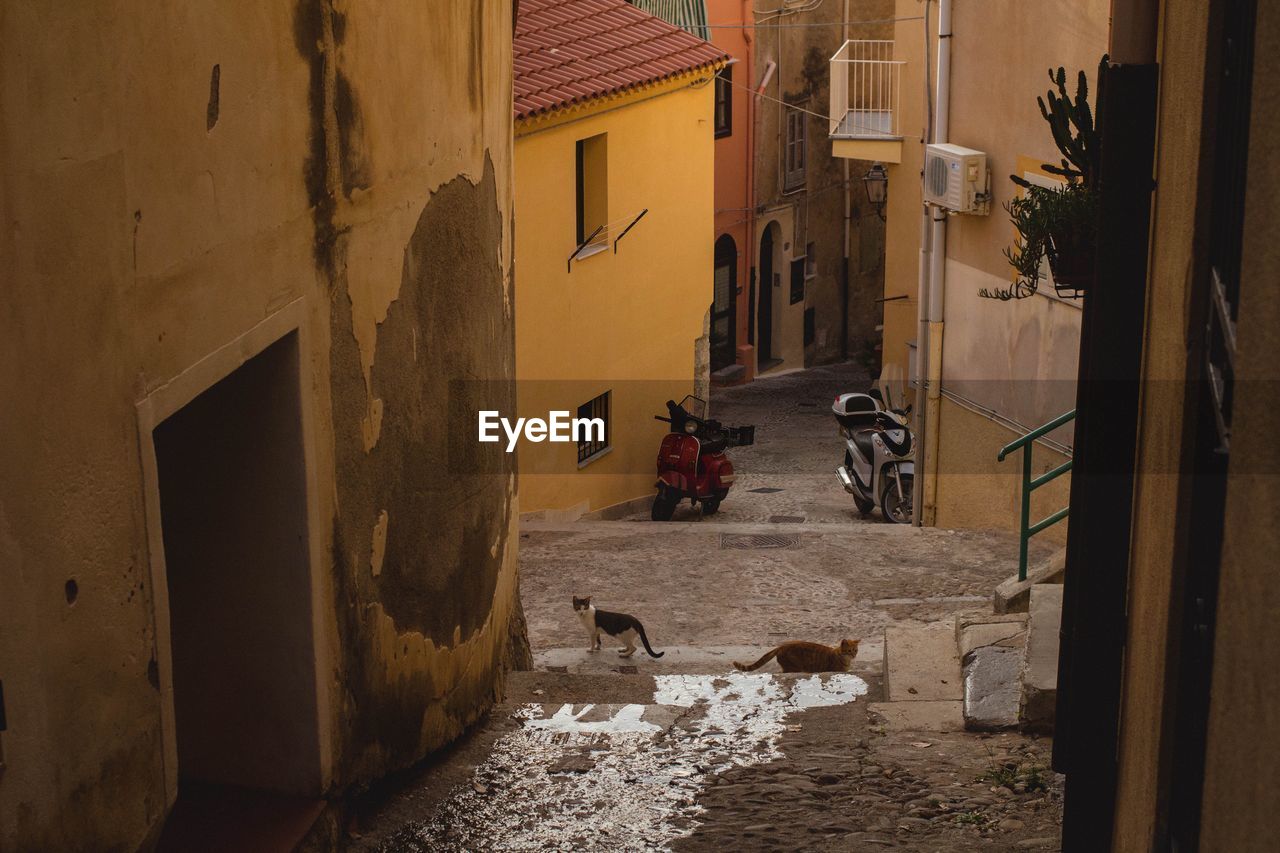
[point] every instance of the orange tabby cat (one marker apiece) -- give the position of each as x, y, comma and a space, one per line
801, 656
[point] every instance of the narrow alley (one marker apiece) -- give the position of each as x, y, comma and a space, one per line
591, 751
450, 426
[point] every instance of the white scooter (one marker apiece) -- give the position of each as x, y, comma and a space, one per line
879, 460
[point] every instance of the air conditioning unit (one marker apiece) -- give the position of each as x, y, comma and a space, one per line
955, 178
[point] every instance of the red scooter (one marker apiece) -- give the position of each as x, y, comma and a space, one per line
692, 462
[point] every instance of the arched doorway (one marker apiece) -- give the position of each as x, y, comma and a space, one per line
725, 304
764, 299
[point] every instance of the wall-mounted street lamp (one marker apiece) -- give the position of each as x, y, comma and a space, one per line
876, 182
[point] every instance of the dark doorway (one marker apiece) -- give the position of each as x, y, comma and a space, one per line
724, 309
233, 510
764, 300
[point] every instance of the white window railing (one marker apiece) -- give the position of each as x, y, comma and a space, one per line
866, 88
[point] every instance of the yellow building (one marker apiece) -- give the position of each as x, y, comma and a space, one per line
614, 164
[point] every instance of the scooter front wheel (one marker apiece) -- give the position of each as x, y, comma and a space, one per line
664, 504
897, 510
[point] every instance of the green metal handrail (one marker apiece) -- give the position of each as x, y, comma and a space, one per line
1030, 484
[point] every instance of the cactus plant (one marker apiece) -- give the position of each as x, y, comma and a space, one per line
1073, 125
1060, 222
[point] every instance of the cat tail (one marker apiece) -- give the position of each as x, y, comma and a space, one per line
764, 660
648, 648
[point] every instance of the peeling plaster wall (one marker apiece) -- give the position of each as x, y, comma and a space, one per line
351, 158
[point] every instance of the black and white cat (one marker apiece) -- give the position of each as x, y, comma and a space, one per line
621, 626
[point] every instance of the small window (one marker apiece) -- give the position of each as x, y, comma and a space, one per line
810, 261
593, 191
794, 150
724, 102
797, 280
593, 438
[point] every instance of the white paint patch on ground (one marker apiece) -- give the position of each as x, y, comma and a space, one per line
627, 719
813, 692
610, 779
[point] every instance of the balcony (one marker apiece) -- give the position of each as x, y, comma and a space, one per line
866, 89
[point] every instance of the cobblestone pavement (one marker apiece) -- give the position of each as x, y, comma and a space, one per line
596, 752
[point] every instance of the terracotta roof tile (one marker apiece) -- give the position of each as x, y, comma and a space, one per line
569, 51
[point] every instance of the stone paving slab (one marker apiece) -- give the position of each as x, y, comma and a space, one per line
989, 629
921, 663
945, 715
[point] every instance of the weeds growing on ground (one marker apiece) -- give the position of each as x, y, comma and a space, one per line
1009, 774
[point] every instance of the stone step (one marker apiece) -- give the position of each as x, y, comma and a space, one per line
542, 687
991, 650
921, 663
681, 659
1040, 669
1012, 596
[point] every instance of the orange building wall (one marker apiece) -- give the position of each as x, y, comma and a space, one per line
733, 190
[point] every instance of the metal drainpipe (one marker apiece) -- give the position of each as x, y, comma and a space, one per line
920, 374
749, 180
937, 273
848, 218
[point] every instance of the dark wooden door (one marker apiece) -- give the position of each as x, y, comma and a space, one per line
764, 299
724, 308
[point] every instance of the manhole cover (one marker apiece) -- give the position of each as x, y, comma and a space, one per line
757, 540
786, 519
764, 491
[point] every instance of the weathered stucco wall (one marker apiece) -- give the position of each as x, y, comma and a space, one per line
625, 322
351, 161
801, 45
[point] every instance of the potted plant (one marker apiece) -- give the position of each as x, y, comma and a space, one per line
1061, 222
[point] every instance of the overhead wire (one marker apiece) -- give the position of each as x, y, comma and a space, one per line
807, 26
811, 112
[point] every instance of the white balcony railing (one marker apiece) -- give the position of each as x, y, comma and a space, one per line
866, 88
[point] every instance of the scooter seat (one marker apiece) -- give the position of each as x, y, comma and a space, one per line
862, 441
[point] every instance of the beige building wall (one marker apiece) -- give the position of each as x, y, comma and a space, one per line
183, 187
1007, 367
